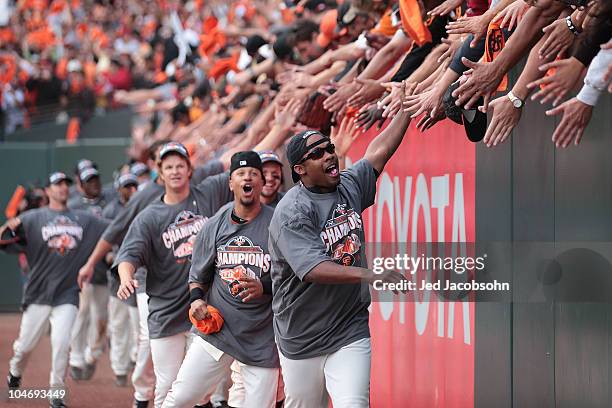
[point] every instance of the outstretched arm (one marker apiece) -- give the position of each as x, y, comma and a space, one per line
386, 143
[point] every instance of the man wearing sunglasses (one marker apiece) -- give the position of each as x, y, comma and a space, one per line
319, 269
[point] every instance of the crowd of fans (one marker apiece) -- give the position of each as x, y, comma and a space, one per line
218, 73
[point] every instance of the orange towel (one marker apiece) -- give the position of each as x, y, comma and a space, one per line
211, 324
73, 130
13, 205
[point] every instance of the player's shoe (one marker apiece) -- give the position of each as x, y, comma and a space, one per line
76, 373
141, 404
88, 371
12, 381
121, 380
57, 403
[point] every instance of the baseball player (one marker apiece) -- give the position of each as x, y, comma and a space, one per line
142, 172
123, 324
273, 174
320, 303
151, 191
56, 241
89, 331
161, 239
270, 195
76, 190
230, 271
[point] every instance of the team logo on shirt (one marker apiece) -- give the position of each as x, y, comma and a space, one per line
62, 235
340, 235
181, 234
240, 258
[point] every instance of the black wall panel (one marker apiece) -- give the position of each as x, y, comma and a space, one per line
548, 351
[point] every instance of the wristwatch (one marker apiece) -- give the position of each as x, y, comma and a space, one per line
516, 102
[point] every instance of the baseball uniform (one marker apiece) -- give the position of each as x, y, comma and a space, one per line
56, 244
142, 377
224, 252
89, 330
123, 315
161, 239
322, 329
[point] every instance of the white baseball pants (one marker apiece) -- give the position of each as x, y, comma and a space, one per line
122, 327
143, 377
205, 366
344, 375
89, 330
168, 354
34, 323
236, 392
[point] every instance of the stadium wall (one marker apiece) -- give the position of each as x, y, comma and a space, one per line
531, 206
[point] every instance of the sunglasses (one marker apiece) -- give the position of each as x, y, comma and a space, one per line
318, 152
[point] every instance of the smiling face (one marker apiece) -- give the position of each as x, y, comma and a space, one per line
273, 174
92, 187
175, 171
246, 183
58, 193
319, 167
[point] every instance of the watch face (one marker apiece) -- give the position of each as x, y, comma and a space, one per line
517, 103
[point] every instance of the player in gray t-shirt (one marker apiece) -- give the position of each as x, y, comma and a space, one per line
56, 242
161, 239
89, 330
230, 272
123, 320
273, 174
319, 270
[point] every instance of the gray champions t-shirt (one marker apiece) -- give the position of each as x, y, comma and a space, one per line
313, 319
118, 228
94, 206
161, 239
223, 252
56, 245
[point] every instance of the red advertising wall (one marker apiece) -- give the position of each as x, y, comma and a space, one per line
423, 349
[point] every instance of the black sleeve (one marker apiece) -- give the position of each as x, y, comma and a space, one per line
266, 282
473, 54
596, 33
417, 54
412, 61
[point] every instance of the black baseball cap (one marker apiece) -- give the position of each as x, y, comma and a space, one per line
174, 147
247, 158
57, 177
253, 44
88, 173
125, 180
298, 146
269, 156
473, 120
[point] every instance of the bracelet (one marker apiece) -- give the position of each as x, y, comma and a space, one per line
571, 26
195, 294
